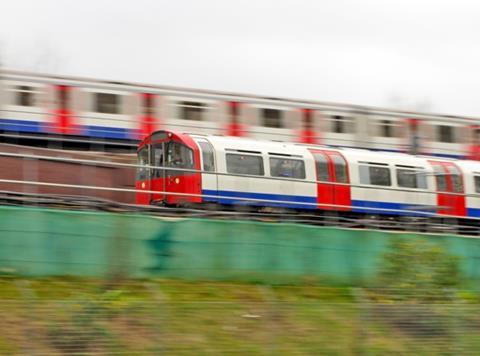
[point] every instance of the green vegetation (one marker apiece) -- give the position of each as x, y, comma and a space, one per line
418, 270
137, 317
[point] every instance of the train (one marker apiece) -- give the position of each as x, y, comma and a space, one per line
40, 106
182, 169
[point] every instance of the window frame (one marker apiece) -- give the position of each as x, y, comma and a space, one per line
369, 166
440, 175
168, 162
295, 160
24, 92
143, 173
157, 173
476, 183
229, 171
416, 172
204, 152
280, 121
325, 162
440, 134
99, 107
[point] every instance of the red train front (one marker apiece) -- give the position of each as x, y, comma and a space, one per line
178, 181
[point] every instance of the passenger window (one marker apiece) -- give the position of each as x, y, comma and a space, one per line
477, 183
288, 168
192, 110
341, 124
244, 164
411, 178
321, 164
340, 165
446, 134
375, 175
142, 172
179, 156
272, 118
456, 179
207, 156
387, 128
24, 95
157, 159
440, 178
106, 103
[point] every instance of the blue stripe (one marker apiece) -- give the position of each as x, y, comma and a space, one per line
20, 125
376, 207
360, 206
121, 133
473, 212
228, 197
91, 130
108, 132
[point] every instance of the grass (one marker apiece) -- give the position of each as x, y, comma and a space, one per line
66, 315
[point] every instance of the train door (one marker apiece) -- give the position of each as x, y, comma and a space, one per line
449, 181
142, 181
333, 189
63, 114
183, 181
209, 180
157, 175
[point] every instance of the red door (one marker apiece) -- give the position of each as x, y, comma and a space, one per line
449, 181
181, 183
333, 189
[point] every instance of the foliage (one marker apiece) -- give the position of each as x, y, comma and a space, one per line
416, 269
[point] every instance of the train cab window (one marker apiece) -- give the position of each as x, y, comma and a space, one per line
24, 95
375, 175
321, 165
244, 164
207, 156
287, 168
157, 159
445, 134
476, 180
143, 171
340, 166
107, 103
178, 156
411, 178
272, 118
191, 110
456, 177
440, 178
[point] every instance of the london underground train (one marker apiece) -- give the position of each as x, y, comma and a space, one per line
198, 169
37, 106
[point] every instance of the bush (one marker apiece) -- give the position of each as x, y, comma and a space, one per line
418, 270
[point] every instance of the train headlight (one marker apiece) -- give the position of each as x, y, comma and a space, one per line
177, 180
143, 185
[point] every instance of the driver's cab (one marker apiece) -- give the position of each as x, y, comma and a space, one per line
167, 169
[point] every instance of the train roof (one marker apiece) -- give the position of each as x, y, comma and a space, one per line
253, 145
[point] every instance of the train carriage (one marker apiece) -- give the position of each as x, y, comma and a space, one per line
32, 103
193, 169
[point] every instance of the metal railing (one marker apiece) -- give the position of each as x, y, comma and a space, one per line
417, 217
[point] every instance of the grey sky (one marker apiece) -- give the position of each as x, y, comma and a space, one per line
403, 53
